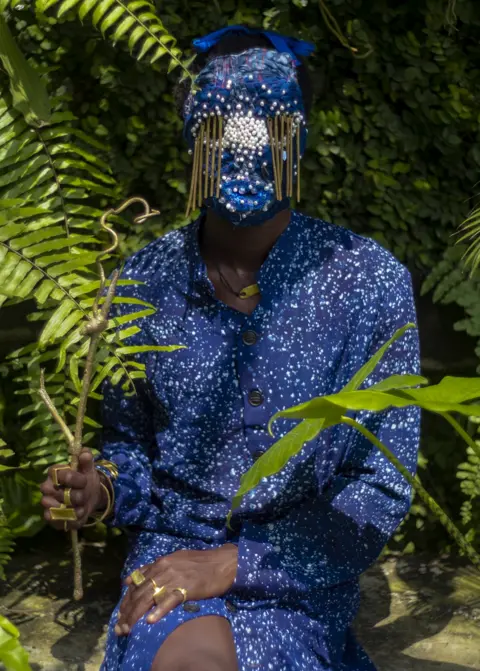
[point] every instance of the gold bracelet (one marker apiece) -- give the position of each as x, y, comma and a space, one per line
109, 466
99, 517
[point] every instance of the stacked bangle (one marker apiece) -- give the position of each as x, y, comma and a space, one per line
110, 472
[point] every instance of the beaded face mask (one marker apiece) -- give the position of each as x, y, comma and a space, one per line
245, 126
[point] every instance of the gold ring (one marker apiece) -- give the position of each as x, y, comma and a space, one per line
182, 591
63, 513
158, 592
66, 497
137, 577
55, 474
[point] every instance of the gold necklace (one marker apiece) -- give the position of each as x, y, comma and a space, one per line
246, 292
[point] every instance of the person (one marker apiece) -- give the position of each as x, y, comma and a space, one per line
273, 308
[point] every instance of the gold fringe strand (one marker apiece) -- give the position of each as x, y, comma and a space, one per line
220, 152
207, 158
292, 157
282, 139
200, 165
270, 124
193, 184
289, 157
214, 147
277, 145
299, 158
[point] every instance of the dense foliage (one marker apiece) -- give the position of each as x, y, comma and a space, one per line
393, 149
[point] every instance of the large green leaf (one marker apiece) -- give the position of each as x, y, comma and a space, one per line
450, 395
29, 94
366, 370
397, 391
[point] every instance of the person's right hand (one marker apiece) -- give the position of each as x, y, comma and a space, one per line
86, 493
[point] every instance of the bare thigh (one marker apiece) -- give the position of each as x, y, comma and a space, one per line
203, 644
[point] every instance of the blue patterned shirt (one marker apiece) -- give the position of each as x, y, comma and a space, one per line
330, 299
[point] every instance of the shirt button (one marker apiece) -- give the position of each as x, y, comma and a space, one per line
255, 398
256, 455
249, 338
230, 607
191, 608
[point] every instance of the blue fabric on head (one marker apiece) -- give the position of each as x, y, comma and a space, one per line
282, 43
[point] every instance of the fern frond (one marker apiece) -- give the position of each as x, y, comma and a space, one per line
134, 22
470, 232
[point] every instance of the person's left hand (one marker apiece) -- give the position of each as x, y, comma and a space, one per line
202, 573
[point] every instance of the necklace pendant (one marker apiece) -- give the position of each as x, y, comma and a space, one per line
248, 292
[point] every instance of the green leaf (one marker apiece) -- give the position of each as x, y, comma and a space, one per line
29, 94
66, 6
123, 27
102, 7
49, 333
149, 348
399, 382
9, 627
372, 363
146, 46
173, 64
74, 374
124, 319
112, 18
449, 395
85, 8
277, 457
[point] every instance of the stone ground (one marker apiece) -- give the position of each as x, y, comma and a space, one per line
417, 614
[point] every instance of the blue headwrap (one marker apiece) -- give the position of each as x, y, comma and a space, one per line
281, 43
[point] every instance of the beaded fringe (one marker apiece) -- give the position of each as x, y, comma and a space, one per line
207, 159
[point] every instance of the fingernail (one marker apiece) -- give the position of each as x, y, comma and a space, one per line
151, 618
118, 629
125, 629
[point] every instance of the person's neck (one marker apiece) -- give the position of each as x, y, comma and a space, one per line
241, 248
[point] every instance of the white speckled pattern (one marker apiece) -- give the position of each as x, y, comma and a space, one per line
329, 300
